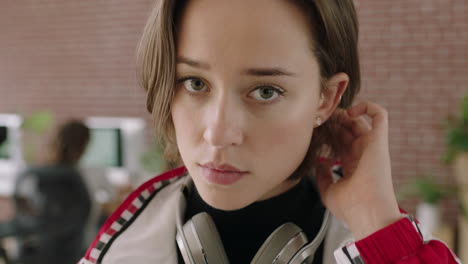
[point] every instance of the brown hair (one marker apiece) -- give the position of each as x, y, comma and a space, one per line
334, 32
70, 142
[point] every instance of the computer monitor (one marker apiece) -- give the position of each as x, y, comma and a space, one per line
104, 149
11, 157
115, 142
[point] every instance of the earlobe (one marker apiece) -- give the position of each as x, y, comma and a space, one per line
318, 121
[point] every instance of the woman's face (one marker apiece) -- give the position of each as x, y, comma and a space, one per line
247, 96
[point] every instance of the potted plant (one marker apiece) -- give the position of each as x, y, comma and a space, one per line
34, 128
457, 135
457, 155
429, 192
457, 150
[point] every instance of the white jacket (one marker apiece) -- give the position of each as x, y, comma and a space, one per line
143, 229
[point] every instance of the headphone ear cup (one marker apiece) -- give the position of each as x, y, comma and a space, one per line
208, 239
281, 245
189, 244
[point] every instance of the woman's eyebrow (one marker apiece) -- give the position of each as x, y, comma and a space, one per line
193, 63
267, 71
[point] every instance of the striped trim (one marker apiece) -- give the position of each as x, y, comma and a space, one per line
416, 226
337, 172
341, 257
428, 237
84, 261
336, 169
348, 254
127, 213
353, 254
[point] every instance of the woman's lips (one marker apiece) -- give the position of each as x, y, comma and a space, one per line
221, 177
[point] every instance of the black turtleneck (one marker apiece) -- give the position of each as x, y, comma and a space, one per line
243, 231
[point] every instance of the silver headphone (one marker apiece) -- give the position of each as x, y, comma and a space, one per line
199, 241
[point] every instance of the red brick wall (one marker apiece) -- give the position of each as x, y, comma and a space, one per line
414, 60
76, 58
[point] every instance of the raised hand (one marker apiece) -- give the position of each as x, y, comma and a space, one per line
364, 198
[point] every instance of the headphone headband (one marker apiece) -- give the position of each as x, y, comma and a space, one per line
199, 241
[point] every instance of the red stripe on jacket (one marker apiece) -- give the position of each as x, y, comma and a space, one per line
127, 204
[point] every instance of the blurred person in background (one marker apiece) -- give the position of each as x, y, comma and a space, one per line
2, 135
3, 255
52, 201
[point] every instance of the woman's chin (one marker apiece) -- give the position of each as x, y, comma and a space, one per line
225, 203
221, 197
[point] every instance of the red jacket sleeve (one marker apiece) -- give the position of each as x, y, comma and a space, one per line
401, 243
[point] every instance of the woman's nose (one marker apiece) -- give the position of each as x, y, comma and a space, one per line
223, 124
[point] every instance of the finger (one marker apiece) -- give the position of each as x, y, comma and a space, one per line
349, 149
377, 113
345, 120
358, 126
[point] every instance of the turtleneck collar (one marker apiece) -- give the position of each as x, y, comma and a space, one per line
243, 231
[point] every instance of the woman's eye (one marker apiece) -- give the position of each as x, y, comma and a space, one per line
266, 93
193, 84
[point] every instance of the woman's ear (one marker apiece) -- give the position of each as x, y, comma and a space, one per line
331, 95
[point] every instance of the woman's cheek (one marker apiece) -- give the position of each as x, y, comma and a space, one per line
283, 139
